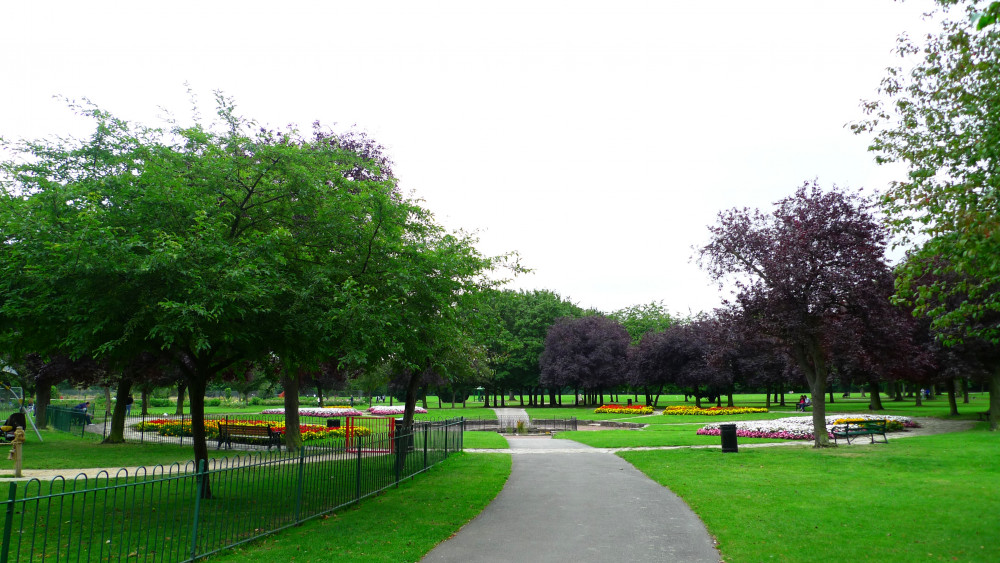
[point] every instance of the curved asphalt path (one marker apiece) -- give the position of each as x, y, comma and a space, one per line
582, 506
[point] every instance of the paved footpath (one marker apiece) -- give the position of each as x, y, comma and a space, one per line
582, 505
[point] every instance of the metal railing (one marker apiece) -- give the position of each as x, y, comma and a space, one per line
176, 513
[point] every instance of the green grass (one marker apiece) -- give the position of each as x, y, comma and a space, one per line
925, 498
484, 440
399, 525
665, 435
60, 450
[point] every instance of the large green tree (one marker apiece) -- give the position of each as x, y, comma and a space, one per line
217, 243
941, 120
526, 317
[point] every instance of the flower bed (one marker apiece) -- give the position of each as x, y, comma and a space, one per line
176, 428
382, 410
800, 427
322, 412
713, 411
624, 409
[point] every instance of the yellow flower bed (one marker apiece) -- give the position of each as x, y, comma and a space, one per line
713, 411
624, 409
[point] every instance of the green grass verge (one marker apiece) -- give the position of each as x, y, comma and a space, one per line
924, 498
401, 524
484, 440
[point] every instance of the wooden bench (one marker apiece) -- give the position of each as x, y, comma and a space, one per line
869, 428
229, 432
984, 415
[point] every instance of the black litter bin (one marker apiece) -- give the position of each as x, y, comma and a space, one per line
333, 423
728, 432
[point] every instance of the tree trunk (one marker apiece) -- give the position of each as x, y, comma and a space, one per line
965, 390
729, 395
181, 389
876, 396
812, 362
117, 433
952, 399
196, 392
144, 399
290, 383
898, 390
920, 399
319, 396
831, 394
767, 397
43, 396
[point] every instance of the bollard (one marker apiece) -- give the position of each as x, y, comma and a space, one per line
728, 433
16, 451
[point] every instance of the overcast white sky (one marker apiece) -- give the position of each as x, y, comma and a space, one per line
597, 139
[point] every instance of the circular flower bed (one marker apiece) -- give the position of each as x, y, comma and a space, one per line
624, 409
713, 411
800, 427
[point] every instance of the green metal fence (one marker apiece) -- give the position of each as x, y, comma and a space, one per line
175, 513
68, 420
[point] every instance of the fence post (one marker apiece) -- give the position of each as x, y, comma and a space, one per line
298, 487
357, 473
8, 521
426, 432
462, 434
200, 477
401, 445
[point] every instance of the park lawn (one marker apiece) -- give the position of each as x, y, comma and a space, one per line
401, 524
481, 439
923, 498
653, 436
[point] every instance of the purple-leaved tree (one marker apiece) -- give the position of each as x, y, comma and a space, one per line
587, 353
817, 258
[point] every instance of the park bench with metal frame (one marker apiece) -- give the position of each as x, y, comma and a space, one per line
870, 428
229, 431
